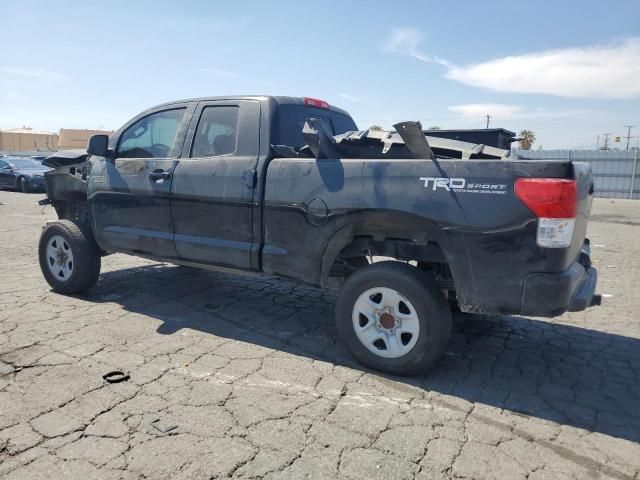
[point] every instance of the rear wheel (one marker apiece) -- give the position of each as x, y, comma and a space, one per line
394, 318
69, 257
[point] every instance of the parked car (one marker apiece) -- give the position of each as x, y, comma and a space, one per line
288, 187
24, 174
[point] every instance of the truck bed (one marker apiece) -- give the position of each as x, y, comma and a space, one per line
487, 235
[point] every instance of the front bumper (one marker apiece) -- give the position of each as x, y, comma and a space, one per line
552, 294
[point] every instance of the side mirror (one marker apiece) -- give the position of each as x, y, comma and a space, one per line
98, 145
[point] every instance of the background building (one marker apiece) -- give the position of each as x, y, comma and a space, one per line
71, 138
26, 139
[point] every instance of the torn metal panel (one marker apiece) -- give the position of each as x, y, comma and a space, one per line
68, 182
65, 157
383, 144
441, 147
319, 138
414, 139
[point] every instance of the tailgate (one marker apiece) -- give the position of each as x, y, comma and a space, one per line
556, 204
584, 179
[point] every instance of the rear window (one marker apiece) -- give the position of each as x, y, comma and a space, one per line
290, 120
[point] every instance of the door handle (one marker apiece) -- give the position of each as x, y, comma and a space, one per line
159, 174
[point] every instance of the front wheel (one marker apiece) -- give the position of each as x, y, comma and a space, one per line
69, 257
394, 318
23, 185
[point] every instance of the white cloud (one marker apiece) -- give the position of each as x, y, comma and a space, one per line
407, 41
599, 71
610, 70
361, 100
34, 73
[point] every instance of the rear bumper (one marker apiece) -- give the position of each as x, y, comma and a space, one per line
552, 294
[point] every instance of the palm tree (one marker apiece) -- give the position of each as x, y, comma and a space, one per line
527, 137
375, 127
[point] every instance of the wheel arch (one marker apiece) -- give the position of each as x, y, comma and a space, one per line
398, 235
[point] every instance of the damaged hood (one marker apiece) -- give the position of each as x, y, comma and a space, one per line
65, 157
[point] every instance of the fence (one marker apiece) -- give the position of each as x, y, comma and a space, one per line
615, 174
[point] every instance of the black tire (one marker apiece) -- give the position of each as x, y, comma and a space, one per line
431, 307
86, 258
23, 185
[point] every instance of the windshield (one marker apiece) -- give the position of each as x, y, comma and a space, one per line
26, 163
290, 120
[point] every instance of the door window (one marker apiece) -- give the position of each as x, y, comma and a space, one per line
152, 136
217, 132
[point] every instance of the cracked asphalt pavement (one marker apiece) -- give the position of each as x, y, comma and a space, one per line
242, 378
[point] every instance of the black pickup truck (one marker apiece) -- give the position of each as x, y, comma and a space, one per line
289, 187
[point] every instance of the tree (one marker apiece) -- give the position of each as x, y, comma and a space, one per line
375, 127
527, 138
435, 127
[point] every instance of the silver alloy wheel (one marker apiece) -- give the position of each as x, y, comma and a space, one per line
385, 322
59, 258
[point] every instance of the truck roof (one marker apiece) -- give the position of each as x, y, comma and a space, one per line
278, 99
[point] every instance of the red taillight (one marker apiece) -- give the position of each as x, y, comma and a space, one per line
314, 102
548, 197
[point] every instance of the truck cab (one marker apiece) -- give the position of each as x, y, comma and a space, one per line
183, 181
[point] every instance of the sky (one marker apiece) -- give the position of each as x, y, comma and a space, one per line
569, 70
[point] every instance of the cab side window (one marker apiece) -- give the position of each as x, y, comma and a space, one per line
216, 133
152, 136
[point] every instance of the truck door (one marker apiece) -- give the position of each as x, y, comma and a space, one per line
213, 185
129, 193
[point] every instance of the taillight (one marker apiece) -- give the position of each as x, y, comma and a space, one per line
548, 197
555, 202
314, 102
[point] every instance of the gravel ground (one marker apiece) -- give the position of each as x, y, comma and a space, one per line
242, 378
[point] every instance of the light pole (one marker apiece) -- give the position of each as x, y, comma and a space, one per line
628, 127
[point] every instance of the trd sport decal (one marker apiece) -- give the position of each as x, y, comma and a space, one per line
462, 186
